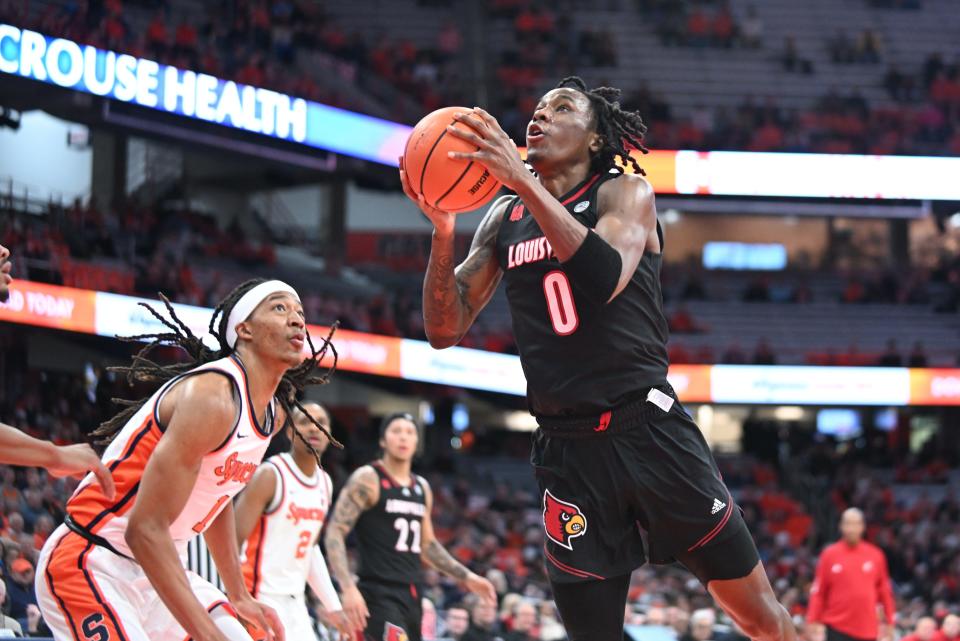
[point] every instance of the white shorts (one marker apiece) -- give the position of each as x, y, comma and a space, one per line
88, 593
292, 611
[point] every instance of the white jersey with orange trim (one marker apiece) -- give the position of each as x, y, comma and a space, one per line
223, 472
279, 550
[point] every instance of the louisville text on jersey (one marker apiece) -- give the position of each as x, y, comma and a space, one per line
399, 506
529, 251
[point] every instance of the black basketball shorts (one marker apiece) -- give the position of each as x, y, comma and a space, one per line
395, 611
835, 635
644, 466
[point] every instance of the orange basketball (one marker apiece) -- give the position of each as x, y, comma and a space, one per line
449, 184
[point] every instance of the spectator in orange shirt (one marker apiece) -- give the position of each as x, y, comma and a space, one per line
41, 530
723, 28
698, 27
682, 322
157, 35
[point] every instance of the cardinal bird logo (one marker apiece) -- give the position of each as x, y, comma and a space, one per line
393, 632
562, 521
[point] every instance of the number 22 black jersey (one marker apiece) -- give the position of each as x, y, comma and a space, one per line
388, 534
581, 356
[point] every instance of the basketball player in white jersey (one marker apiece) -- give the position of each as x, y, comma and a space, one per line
114, 571
279, 518
17, 448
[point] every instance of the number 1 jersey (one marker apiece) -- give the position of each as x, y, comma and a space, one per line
581, 355
388, 534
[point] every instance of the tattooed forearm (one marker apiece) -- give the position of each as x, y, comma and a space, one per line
442, 298
437, 556
452, 297
357, 496
337, 559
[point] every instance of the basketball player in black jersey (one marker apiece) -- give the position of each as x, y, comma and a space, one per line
580, 249
389, 508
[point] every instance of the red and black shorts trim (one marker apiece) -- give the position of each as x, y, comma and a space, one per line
395, 610
636, 484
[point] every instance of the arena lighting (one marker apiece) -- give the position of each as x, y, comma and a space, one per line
788, 413
519, 421
200, 96
110, 315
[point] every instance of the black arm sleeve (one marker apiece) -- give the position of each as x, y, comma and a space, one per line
595, 266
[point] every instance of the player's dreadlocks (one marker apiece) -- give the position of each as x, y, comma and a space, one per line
620, 130
143, 369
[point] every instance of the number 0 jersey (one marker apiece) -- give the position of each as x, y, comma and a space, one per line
223, 472
580, 356
277, 553
388, 534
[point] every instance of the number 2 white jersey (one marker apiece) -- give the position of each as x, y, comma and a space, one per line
277, 553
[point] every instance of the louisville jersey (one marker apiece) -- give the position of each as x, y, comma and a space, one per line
277, 553
388, 534
223, 472
580, 355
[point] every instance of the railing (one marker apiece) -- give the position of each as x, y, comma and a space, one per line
28, 199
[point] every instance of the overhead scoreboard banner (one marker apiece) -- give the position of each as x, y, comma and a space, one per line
199, 96
261, 111
110, 315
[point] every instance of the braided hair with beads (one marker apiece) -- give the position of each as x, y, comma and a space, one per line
620, 130
144, 369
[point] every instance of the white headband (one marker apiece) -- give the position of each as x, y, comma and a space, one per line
249, 301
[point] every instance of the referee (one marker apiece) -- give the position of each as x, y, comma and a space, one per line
851, 580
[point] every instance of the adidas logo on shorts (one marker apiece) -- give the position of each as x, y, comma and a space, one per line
717, 506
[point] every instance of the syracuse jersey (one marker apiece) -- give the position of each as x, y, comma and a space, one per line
223, 472
278, 551
88, 585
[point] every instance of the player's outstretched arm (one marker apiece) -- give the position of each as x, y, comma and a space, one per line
361, 493
253, 501
199, 413
452, 297
221, 539
435, 555
318, 578
17, 448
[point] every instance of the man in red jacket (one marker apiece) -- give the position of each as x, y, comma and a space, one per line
851, 580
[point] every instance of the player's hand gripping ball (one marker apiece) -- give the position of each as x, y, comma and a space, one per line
446, 183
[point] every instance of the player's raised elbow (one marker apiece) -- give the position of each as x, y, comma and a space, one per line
442, 340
